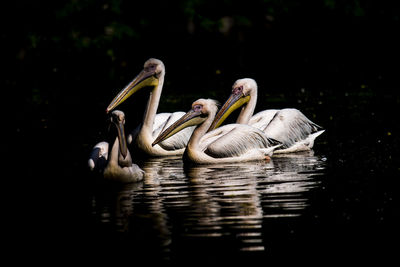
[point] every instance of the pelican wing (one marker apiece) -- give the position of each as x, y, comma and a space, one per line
178, 141
290, 126
161, 122
210, 137
239, 141
262, 118
98, 157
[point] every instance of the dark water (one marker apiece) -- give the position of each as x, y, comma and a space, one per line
297, 207
208, 213
336, 203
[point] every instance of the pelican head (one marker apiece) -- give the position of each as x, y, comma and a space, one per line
201, 110
153, 69
242, 91
117, 117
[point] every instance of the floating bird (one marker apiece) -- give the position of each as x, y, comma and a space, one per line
152, 77
231, 143
289, 126
115, 163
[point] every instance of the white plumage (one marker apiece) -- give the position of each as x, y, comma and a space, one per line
231, 143
162, 121
237, 141
289, 126
152, 76
115, 163
98, 157
293, 129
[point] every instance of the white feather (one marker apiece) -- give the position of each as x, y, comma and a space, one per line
99, 156
238, 141
178, 141
153, 124
230, 143
110, 162
262, 118
289, 126
292, 128
161, 122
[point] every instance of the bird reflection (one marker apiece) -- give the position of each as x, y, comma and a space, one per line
113, 204
135, 212
178, 206
232, 202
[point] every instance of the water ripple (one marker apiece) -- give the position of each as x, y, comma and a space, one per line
225, 201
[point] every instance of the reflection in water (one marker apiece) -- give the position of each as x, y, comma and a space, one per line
177, 205
114, 206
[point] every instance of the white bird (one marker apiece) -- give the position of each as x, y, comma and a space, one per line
152, 77
231, 143
289, 126
115, 163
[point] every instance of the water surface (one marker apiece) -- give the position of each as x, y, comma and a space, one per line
206, 213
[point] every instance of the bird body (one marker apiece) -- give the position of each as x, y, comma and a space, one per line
142, 138
288, 126
293, 129
152, 76
115, 163
261, 119
231, 143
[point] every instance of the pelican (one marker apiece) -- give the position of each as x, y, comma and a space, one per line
115, 163
152, 77
288, 126
231, 143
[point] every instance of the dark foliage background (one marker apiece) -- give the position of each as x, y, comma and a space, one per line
65, 58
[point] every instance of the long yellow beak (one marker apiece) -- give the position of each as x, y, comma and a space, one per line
234, 102
145, 78
191, 118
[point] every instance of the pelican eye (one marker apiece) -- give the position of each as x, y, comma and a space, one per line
151, 67
197, 108
238, 90
117, 116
